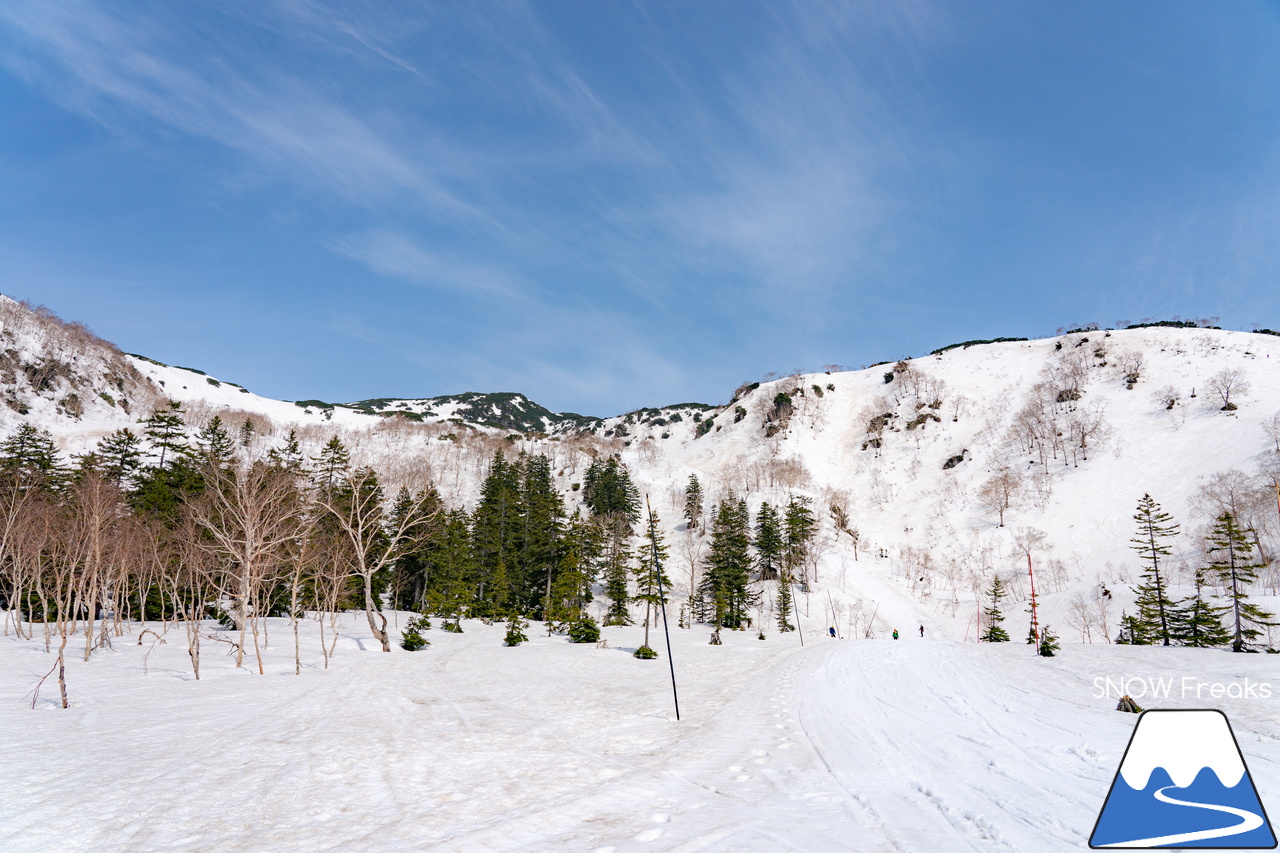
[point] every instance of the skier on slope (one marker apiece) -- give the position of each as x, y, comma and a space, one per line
922, 632
895, 633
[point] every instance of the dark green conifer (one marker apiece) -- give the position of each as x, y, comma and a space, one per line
583, 545
1133, 631
799, 528
607, 490
451, 571
693, 503
1231, 555
784, 605
289, 457
541, 535
1153, 602
615, 568
1197, 621
770, 543
121, 456
331, 467
213, 445
515, 631
165, 431
584, 629
651, 576
29, 459
725, 586
1048, 642
495, 529
992, 616
411, 639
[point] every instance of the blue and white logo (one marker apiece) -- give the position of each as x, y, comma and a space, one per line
1183, 783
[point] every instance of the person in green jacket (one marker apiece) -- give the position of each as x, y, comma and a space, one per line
895, 633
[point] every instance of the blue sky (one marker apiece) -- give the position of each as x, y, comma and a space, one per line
608, 205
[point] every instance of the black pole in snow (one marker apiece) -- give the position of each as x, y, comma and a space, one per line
662, 601
797, 612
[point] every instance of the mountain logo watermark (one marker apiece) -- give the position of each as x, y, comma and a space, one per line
1182, 783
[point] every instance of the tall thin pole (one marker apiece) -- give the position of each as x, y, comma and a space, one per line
662, 601
799, 628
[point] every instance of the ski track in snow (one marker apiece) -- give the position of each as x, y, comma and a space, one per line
868, 746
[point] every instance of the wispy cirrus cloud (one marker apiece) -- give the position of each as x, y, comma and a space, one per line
99, 62
394, 255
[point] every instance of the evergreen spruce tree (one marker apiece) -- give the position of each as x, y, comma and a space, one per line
992, 615
699, 607
331, 467
165, 430
583, 545
289, 457
614, 502
1153, 602
541, 536
29, 459
515, 631
1198, 622
161, 489
693, 503
615, 570
799, 527
121, 457
247, 431
1133, 631
450, 572
584, 629
648, 573
495, 529
725, 586
213, 445
1231, 553
161, 492
411, 639
422, 537
1048, 642
607, 490
769, 542
784, 605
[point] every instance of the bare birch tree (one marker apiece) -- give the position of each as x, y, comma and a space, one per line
251, 516
359, 512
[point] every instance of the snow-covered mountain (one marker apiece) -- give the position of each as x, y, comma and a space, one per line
920, 460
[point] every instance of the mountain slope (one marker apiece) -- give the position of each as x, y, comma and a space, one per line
1076, 428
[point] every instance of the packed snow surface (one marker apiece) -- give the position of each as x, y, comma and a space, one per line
866, 745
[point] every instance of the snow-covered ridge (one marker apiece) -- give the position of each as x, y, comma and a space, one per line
1080, 426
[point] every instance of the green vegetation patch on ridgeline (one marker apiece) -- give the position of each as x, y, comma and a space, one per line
1173, 324
967, 344
144, 358
502, 410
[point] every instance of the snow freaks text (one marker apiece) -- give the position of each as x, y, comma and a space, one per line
1186, 687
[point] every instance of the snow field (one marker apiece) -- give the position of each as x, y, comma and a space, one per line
867, 745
